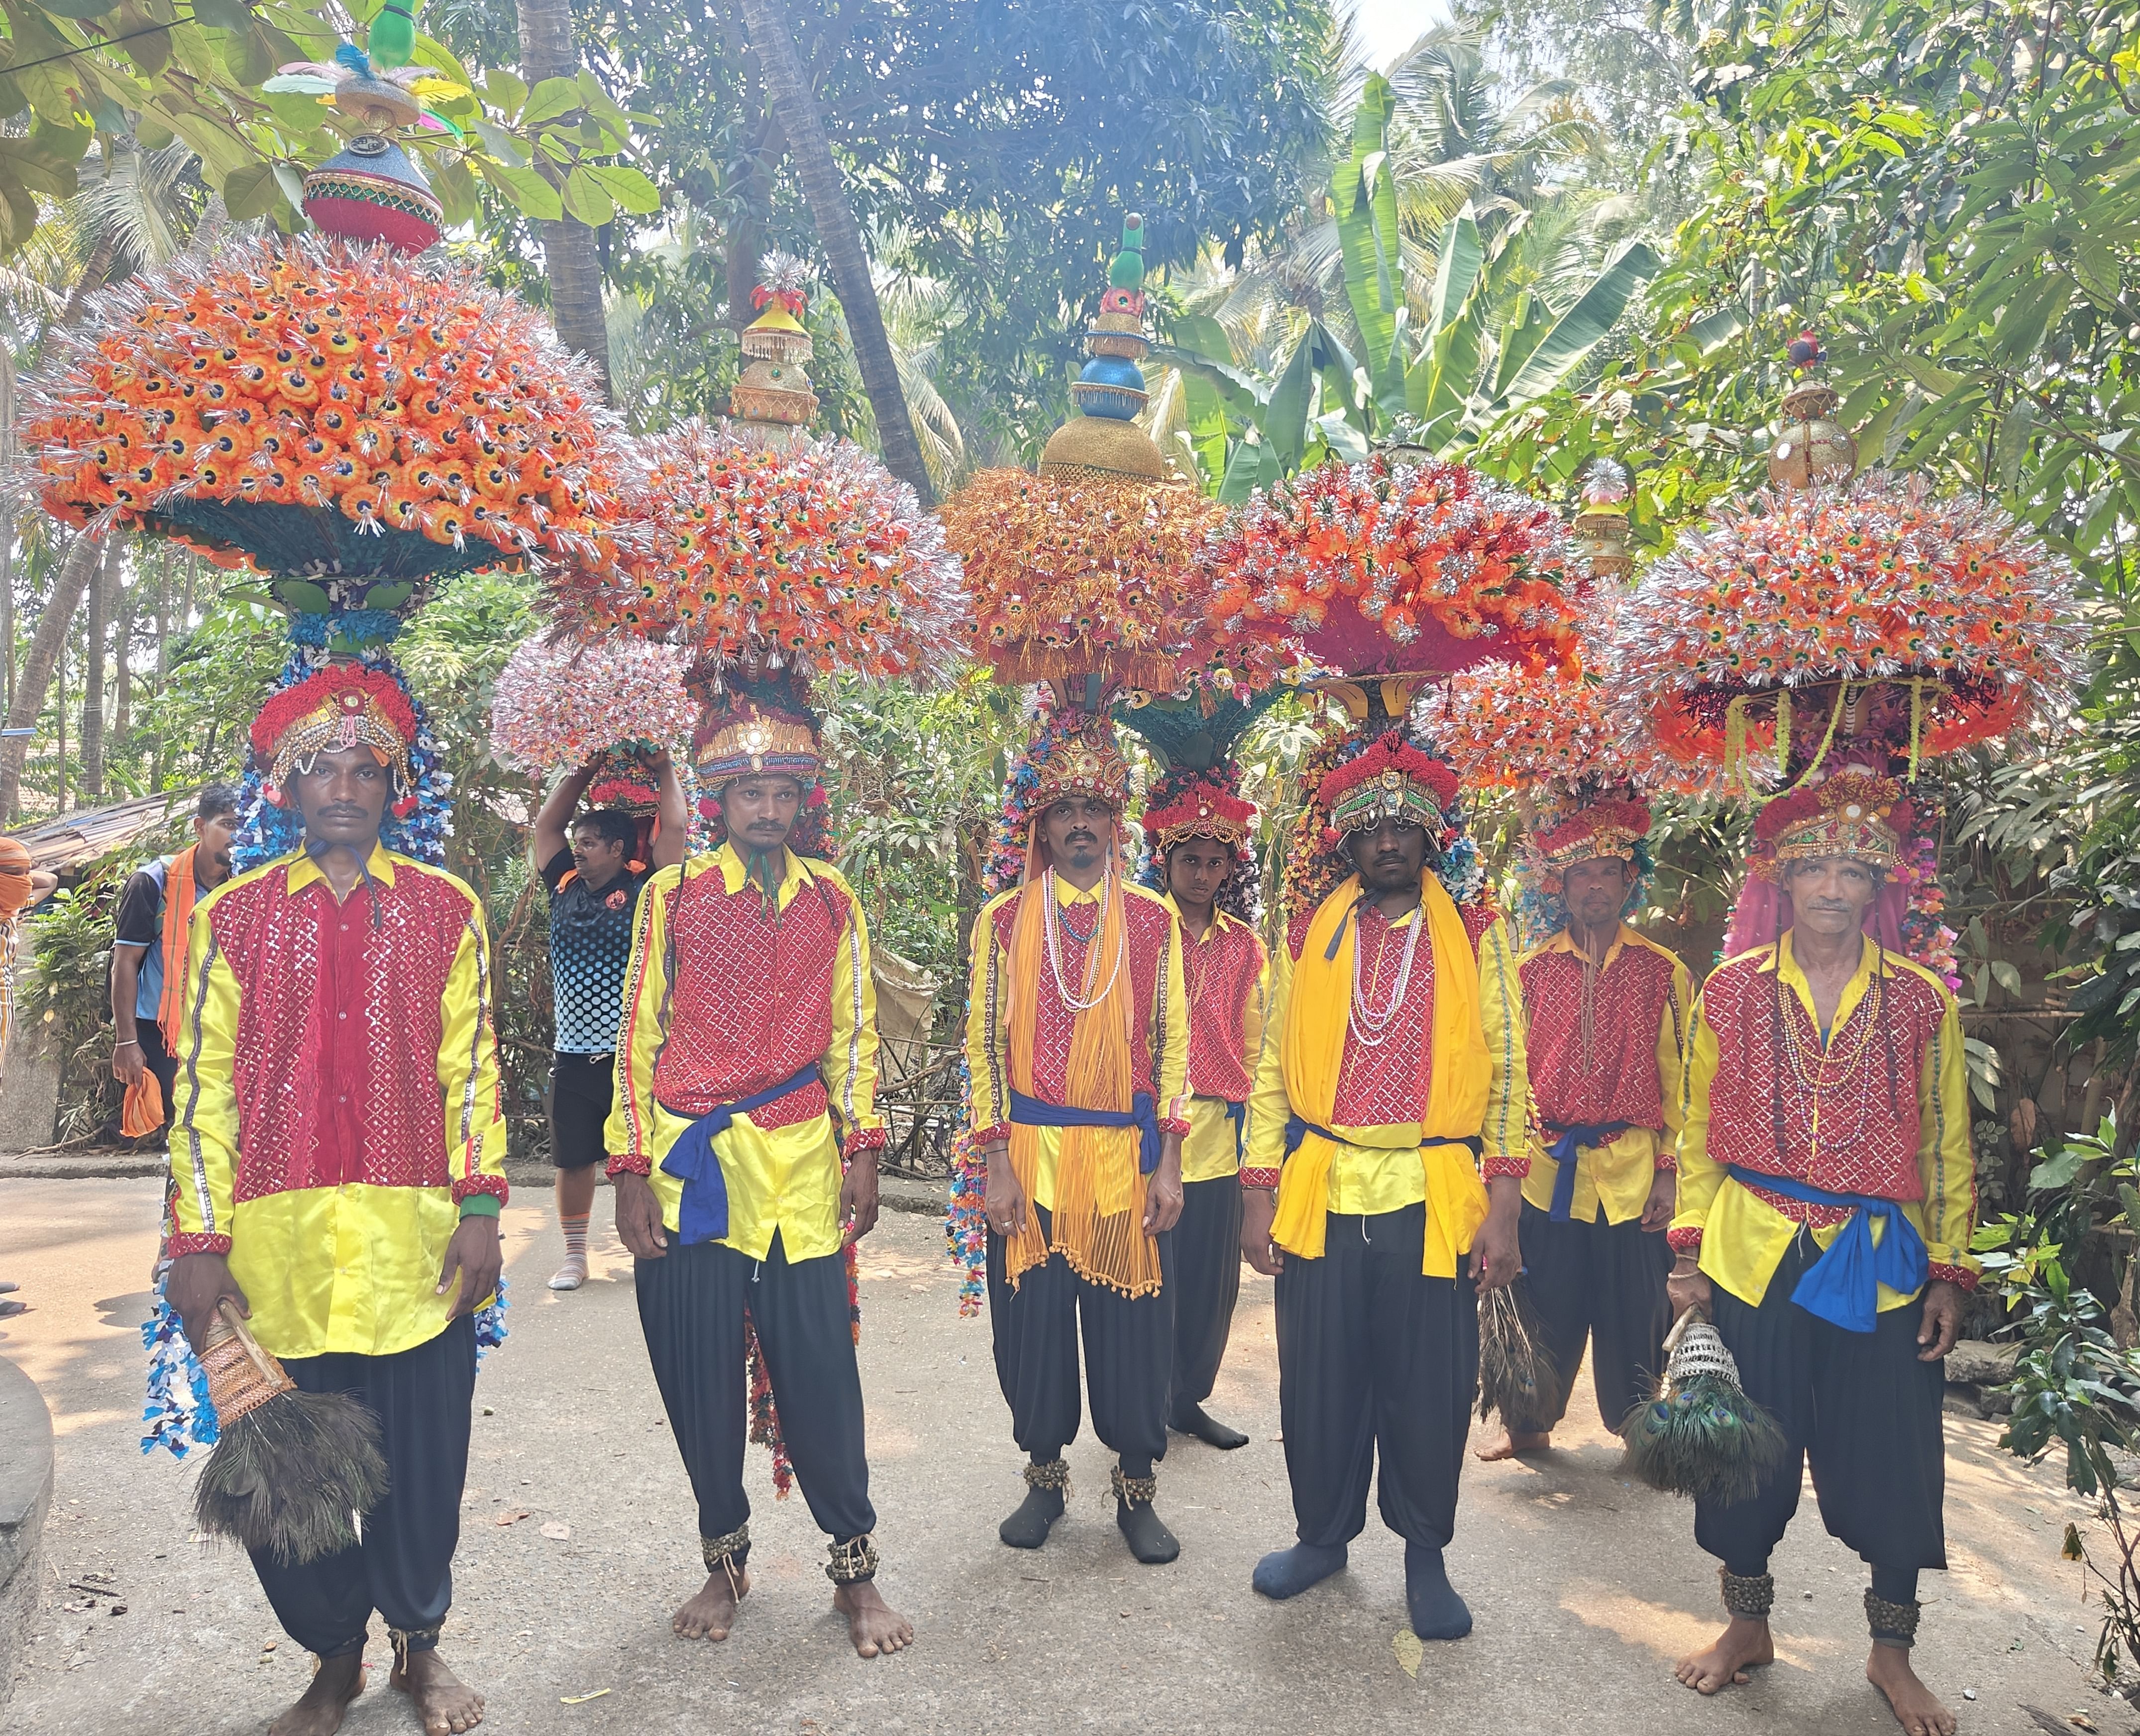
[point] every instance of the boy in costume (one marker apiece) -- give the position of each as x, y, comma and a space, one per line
746, 1077
1827, 1090
338, 1162
1198, 829
1389, 1110
1076, 1046
587, 861
1605, 1016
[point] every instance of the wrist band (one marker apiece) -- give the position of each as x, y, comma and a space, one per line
131, 1042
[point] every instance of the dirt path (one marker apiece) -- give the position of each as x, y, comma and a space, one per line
1584, 1587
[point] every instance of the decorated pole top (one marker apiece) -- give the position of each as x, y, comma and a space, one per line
772, 402
1085, 576
1104, 439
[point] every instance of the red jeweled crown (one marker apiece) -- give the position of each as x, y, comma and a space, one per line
1856, 814
344, 705
1392, 780
1199, 805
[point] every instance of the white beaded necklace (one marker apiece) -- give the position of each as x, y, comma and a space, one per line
1055, 944
1370, 1025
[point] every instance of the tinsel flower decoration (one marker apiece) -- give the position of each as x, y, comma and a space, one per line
1784, 610
817, 557
1085, 575
1389, 565
559, 702
322, 408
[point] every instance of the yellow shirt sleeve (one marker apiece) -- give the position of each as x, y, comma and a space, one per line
1672, 1060
1699, 1178
468, 1064
850, 1063
1269, 1108
1254, 1014
629, 1132
1505, 1135
203, 1154
1946, 1155
988, 1028
1170, 1012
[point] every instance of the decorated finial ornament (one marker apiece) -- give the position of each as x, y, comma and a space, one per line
1600, 520
1104, 439
1813, 448
772, 402
371, 190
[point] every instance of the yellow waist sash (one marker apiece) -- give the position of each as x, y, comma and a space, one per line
1316, 1018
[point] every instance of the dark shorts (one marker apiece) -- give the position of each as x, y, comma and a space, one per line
581, 1087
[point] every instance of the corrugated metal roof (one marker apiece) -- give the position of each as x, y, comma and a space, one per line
71, 840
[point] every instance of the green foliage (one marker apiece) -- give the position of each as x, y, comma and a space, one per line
1492, 340
66, 993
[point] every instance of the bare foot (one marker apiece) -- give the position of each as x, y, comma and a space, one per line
1916, 1709
319, 1713
447, 1704
1742, 1647
1510, 1443
712, 1613
872, 1624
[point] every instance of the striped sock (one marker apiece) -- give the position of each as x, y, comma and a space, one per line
574, 1272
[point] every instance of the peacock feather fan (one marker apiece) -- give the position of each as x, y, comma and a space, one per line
1702, 1435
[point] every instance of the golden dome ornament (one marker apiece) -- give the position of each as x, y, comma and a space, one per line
1813, 448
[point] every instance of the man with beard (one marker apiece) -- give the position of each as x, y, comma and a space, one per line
338, 1160
149, 945
746, 1076
1827, 1094
1077, 1047
1387, 1140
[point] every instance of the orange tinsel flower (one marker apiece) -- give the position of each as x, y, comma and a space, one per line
312, 374
1878, 580
1390, 563
1088, 576
816, 555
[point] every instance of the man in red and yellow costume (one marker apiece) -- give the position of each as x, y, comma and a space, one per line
1077, 1047
1827, 1197
1605, 1015
1387, 1138
338, 1160
1198, 828
746, 1078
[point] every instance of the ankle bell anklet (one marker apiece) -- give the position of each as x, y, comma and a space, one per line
1130, 1491
406, 1640
1751, 1595
1893, 1624
852, 1560
1053, 1474
728, 1553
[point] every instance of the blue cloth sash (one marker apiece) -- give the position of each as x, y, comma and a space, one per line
702, 1215
1237, 1114
1296, 1129
1843, 1286
1562, 1150
1142, 1113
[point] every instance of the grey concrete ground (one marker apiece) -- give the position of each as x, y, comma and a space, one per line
1584, 1587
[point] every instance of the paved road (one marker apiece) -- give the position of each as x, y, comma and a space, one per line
1584, 1586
